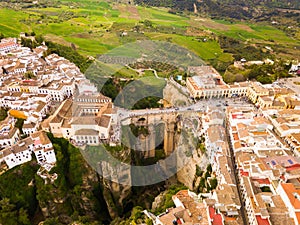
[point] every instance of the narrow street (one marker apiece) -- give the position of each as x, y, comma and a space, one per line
236, 177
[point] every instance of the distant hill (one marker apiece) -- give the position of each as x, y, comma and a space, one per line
238, 9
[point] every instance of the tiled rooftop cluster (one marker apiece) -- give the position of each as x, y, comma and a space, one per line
265, 163
224, 199
21, 151
33, 83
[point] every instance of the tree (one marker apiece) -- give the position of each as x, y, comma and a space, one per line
27, 42
23, 217
136, 213
213, 183
209, 168
202, 185
51, 221
73, 46
8, 215
39, 39
3, 114
199, 172
29, 75
19, 125
149, 221
148, 23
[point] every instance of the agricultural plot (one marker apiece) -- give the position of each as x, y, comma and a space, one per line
95, 27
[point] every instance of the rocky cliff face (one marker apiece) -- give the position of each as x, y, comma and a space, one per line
77, 191
174, 96
187, 175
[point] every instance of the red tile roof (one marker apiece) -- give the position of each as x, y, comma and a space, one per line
262, 181
244, 174
262, 221
290, 191
216, 218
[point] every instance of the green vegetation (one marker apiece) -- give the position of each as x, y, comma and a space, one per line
241, 50
139, 94
23, 192
137, 217
19, 124
94, 28
265, 189
139, 130
3, 114
265, 73
199, 172
147, 103
228, 8
207, 181
71, 185
77, 29
167, 201
29, 75
201, 145
18, 195
69, 53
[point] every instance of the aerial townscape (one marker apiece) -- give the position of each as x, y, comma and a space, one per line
149, 112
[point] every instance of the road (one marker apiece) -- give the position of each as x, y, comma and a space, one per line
200, 106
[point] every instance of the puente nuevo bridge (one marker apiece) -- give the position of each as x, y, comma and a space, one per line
163, 126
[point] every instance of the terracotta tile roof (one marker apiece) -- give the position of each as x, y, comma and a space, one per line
261, 221
217, 218
290, 191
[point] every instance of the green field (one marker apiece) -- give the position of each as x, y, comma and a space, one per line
95, 27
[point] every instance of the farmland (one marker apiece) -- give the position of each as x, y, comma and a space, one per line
96, 27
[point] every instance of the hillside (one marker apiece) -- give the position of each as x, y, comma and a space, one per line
238, 9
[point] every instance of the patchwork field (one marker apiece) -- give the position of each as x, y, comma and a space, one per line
96, 27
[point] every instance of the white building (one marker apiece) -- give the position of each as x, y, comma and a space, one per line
43, 148
21, 152
9, 135
17, 154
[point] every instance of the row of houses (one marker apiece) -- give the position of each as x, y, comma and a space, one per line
22, 151
26, 70
31, 107
268, 171
225, 199
265, 164
208, 83
220, 206
8, 44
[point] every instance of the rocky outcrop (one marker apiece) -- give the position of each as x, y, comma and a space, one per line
174, 95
